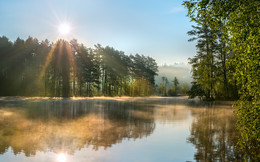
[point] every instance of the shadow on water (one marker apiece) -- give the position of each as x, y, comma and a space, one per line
67, 125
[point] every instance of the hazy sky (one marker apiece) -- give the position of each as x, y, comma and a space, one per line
156, 28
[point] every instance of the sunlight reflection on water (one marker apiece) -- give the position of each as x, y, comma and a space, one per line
115, 129
61, 157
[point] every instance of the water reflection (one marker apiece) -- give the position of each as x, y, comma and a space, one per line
214, 136
66, 126
61, 157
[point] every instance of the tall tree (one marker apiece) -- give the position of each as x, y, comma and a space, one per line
242, 25
144, 70
203, 64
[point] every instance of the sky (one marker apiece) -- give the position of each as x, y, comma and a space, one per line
155, 28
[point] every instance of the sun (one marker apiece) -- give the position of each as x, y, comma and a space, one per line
64, 28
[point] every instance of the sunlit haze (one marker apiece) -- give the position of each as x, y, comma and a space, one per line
129, 80
152, 28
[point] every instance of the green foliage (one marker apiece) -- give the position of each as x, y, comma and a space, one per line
63, 69
175, 82
236, 27
210, 65
184, 88
174, 91
244, 26
165, 89
141, 87
196, 90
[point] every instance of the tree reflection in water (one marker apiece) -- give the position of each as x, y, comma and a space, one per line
214, 136
66, 126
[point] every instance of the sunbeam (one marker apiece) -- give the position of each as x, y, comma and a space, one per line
47, 60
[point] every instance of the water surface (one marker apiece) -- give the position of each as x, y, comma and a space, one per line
116, 129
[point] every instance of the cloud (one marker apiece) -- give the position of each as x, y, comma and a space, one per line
177, 9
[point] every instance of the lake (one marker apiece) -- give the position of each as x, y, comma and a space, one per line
116, 129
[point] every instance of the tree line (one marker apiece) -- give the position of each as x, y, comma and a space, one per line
227, 63
67, 68
164, 89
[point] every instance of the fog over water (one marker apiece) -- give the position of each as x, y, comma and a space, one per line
116, 129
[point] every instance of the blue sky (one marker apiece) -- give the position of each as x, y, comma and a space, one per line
156, 28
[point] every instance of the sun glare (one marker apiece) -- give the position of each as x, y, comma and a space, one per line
61, 157
64, 28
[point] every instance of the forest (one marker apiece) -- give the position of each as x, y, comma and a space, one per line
64, 69
227, 63
226, 66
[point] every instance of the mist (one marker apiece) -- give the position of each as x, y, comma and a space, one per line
179, 70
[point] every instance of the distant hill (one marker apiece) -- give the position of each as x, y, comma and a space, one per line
181, 71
